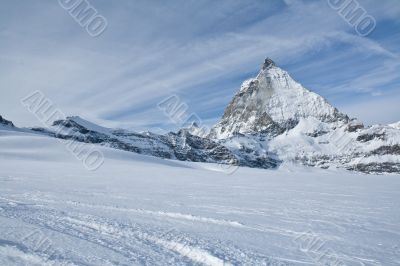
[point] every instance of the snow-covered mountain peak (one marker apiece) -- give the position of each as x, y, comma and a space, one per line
272, 101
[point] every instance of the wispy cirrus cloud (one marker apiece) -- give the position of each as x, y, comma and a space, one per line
201, 50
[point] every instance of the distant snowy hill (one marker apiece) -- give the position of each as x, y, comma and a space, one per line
272, 119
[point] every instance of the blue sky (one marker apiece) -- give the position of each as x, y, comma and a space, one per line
200, 50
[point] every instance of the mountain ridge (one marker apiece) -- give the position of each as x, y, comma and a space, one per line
271, 120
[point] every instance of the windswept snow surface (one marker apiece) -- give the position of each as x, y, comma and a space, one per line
139, 210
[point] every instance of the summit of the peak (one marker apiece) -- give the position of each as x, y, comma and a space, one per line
268, 62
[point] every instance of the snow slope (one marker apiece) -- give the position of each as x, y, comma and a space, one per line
140, 210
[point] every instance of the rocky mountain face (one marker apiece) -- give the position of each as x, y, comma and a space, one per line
272, 103
274, 114
5, 122
271, 120
181, 145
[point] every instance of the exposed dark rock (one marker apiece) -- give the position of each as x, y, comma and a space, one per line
6, 122
369, 137
188, 147
377, 168
259, 162
44, 131
354, 126
317, 133
71, 124
268, 63
384, 150
181, 146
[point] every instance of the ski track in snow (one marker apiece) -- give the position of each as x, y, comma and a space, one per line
129, 240
137, 243
162, 214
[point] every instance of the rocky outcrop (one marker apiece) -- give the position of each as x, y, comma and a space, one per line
5, 122
377, 168
181, 146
